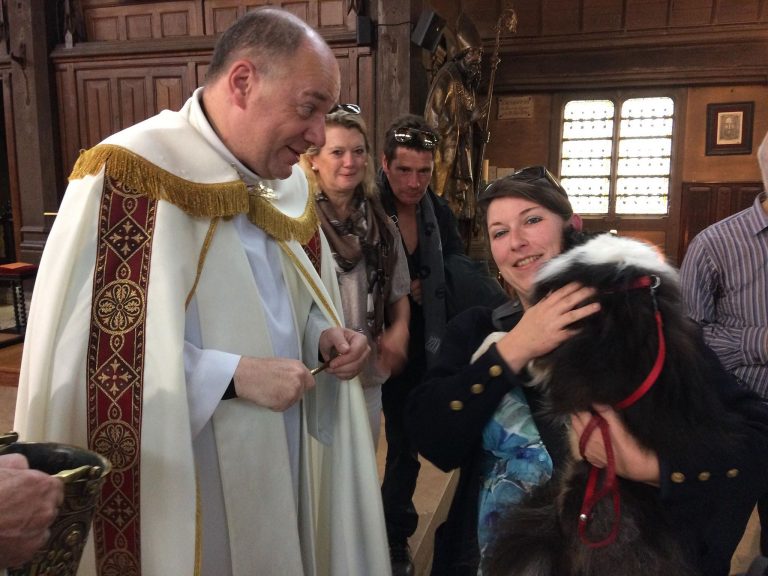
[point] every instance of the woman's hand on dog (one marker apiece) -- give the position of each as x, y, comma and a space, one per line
545, 325
632, 461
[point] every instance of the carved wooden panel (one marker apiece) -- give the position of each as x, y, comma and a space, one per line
323, 15
101, 94
220, 14
9, 130
98, 101
143, 21
356, 67
703, 204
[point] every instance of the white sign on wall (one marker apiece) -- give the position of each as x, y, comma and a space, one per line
511, 107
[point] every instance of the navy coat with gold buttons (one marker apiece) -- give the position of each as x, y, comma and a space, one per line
709, 495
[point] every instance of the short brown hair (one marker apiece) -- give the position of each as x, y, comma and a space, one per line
266, 35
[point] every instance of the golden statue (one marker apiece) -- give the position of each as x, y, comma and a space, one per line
453, 109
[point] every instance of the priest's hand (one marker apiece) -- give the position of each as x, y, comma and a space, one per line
274, 383
346, 349
29, 503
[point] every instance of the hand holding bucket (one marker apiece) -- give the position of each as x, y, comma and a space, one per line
82, 473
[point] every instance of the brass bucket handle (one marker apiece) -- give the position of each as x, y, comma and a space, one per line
85, 472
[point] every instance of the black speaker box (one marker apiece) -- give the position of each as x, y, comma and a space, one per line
364, 30
428, 30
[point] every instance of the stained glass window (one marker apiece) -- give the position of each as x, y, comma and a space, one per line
616, 155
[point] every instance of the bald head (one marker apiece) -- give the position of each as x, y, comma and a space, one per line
269, 86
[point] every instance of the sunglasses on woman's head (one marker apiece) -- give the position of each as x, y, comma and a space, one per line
348, 108
423, 138
533, 173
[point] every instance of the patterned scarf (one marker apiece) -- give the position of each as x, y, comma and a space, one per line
364, 234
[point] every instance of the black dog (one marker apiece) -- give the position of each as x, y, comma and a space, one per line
643, 357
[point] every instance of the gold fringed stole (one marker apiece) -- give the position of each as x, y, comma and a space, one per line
314, 287
220, 199
115, 364
132, 186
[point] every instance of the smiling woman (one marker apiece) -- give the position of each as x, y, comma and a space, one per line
474, 399
366, 246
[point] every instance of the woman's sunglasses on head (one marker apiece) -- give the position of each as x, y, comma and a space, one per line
533, 173
348, 108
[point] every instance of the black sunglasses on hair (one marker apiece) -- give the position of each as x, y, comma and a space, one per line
533, 173
348, 108
427, 140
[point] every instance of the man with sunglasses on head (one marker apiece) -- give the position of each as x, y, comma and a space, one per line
178, 327
429, 232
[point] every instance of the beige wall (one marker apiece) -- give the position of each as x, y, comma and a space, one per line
523, 142
697, 166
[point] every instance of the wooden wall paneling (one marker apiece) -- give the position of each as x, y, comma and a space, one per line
697, 206
331, 14
220, 14
366, 96
737, 11
304, 9
10, 147
143, 21
97, 111
33, 109
69, 139
647, 14
357, 83
326, 16
691, 13
98, 101
602, 15
703, 204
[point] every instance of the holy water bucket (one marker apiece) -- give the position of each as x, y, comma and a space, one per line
83, 473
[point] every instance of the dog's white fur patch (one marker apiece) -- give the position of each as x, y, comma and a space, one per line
610, 249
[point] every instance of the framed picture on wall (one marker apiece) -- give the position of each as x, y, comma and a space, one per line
729, 128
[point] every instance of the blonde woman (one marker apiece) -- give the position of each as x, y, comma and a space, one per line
366, 246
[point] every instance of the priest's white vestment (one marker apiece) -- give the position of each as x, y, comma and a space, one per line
147, 249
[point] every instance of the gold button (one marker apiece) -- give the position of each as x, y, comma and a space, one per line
477, 388
456, 405
678, 477
495, 370
704, 476
732, 473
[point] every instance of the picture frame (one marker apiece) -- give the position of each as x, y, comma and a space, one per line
729, 128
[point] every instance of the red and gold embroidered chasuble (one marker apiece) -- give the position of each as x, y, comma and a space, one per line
115, 370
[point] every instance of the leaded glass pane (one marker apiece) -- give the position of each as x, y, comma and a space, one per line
588, 110
587, 195
645, 150
586, 167
638, 127
644, 147
587, 129
642, 195
587, 148
641, 156
662, 107
643, 167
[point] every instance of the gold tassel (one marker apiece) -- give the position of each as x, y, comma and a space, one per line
196, 199
280, 226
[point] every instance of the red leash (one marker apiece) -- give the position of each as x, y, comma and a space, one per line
593, 494
610, 486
